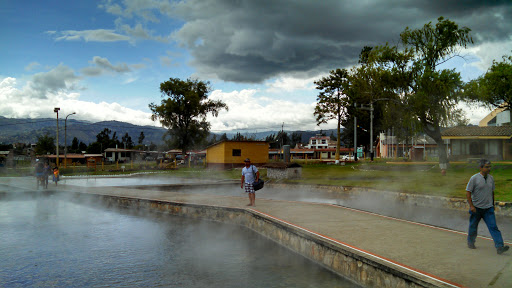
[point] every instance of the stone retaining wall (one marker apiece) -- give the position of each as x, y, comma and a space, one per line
500, 208
362, 268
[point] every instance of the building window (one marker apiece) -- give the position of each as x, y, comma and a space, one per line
313, 141
323, 141
237, 152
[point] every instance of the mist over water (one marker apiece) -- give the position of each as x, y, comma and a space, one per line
128, 181
371, 202
50, 242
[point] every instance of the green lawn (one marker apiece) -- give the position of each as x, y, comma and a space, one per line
410, 178
417, 178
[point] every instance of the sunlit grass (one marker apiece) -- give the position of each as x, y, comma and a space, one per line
416, 178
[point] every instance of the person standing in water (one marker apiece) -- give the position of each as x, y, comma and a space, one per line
56, 175
480, 196
249, 175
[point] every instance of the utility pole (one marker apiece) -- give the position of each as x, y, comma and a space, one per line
371, 127
56, 110
282, 140
355, 135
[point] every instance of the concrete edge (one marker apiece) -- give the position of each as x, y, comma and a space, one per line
501, 208
359, 266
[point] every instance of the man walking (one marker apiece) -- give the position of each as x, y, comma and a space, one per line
480, 196
249, 175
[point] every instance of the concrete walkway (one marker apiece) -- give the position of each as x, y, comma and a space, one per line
432, 252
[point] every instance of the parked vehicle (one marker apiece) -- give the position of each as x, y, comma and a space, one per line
347, 158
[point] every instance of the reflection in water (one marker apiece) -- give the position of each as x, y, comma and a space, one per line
126, 181
54, 243
372, 202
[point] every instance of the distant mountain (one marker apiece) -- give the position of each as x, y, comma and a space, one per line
28, 130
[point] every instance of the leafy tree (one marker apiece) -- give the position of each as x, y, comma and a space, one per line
103, 141
366, 89
429, 94
152, 147
184, 111
141, 138
213, 139
332, 101
44, 145
238, 137
127, 140
282, 138
296, 138
276, 141
74, 144
78, 146
495, 87
82, 147
94, 148
223, 137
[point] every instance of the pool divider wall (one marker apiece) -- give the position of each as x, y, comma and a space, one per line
362, 268
501, 208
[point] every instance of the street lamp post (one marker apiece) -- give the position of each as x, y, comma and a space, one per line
56, 110
371, 127
371, 120
355, 135
66, 140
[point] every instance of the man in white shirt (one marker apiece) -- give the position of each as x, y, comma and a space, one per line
249, 175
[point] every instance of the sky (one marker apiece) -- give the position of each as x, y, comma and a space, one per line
105, 60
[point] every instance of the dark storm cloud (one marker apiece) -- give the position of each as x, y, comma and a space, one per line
250, 41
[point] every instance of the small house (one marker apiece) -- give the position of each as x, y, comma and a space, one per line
230, 153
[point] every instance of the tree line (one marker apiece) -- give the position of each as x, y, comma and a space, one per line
105, 139
406, 88
402, 85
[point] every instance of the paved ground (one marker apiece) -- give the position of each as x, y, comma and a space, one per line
440, 253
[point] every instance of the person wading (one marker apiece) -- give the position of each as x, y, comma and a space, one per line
249, 175
480, 196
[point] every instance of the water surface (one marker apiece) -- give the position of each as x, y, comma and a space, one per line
48, 242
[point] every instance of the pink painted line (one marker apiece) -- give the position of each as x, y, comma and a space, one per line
425, 274
393, 218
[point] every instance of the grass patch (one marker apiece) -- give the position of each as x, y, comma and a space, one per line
415, 178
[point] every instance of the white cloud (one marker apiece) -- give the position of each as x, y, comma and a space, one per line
474, 112
98, 35
249, 112
489, 51
58, 79
31, 66
289, 84
17, 104
102, 65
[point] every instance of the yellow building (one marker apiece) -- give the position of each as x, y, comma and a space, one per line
229, 154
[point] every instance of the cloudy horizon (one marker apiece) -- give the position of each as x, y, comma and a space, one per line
105, 60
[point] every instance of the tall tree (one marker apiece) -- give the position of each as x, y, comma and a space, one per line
332, 101
74, 144
141, 138
127, 141
296, 138
495, 86
429, 93
183, 111
44, 145
103, 141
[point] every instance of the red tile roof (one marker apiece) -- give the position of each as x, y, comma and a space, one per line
480, 132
